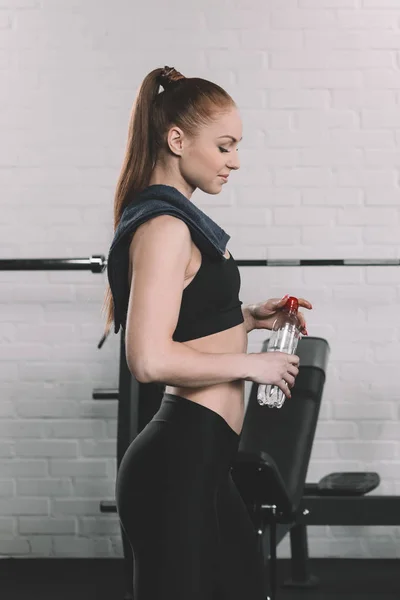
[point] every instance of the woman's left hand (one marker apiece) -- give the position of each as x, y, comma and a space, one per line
265, 313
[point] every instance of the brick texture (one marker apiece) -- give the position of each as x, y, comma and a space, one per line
318, 86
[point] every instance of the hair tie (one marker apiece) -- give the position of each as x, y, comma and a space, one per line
169, 75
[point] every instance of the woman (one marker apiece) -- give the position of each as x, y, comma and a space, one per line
190, 532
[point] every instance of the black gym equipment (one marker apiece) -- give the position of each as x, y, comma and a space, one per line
96, 264
275, 448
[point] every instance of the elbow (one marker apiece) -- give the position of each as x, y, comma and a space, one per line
141, 373
144, 371
151, 365
141, 376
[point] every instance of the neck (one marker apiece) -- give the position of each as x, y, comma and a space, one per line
163, 174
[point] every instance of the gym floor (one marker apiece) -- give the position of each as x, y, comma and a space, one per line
103, 579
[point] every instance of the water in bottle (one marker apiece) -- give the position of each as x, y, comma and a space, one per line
285, 335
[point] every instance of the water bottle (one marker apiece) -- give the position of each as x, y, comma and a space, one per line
285, 335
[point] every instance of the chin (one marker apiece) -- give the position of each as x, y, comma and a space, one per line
210, 188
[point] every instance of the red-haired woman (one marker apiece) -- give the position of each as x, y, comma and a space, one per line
190, 532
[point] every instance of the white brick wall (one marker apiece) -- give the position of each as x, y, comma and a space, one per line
318, 85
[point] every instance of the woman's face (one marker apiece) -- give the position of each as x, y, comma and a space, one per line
207, 159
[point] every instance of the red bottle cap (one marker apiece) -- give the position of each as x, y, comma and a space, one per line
292, 304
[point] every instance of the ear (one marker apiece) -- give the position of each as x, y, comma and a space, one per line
175, 140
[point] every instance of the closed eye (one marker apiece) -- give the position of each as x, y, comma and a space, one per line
225, 150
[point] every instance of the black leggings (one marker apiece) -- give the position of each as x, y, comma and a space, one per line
190, 532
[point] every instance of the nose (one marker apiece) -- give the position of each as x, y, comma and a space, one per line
234, 161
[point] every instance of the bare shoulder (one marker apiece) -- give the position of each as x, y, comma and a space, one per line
164, 235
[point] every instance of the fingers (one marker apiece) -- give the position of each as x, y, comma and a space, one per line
305, 303
289, 380
285, 388
290, 376
303, 325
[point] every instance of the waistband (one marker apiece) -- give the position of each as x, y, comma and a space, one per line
199, 423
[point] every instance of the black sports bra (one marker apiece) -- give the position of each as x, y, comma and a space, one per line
210, 302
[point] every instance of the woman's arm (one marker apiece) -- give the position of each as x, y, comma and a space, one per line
180, 365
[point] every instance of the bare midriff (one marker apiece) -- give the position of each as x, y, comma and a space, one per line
226, 399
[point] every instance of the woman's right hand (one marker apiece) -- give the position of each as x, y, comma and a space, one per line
274, 368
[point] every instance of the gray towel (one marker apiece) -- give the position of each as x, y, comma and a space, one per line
152, 201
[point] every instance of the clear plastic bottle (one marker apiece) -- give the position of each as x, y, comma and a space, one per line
285, 335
